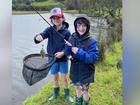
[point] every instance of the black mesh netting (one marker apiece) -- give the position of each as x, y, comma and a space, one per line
36, 67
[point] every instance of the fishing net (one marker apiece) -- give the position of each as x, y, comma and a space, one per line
36, 67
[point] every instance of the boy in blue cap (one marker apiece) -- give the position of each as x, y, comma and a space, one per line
56, 46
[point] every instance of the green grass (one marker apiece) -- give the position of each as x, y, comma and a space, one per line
46, 3
33, 12
114, 54
71, 11
27, 12
106, 90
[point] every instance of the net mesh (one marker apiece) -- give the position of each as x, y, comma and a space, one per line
36, 67
37, 62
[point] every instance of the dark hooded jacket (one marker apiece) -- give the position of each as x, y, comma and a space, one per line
56, 40
82, 64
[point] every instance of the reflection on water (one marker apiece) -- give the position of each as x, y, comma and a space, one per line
24, 28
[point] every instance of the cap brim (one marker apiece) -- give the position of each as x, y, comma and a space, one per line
56, 15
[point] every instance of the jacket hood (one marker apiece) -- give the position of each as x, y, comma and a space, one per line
66, 24
84, 21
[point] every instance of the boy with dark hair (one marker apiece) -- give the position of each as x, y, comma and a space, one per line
84, 52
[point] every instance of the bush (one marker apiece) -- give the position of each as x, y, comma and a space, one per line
101, 51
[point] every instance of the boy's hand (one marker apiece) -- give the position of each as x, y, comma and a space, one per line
39, 38
59, 54
74, 50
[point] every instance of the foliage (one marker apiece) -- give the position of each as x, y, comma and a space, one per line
114, 31
102, 50
95, 7
114, 54
45, 4
40, 6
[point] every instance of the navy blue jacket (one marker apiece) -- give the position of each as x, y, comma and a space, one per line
82, 64
55, 41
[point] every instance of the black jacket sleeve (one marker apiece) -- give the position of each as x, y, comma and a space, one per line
36, 41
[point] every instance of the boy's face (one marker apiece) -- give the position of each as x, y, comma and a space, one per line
57, 20
81, 28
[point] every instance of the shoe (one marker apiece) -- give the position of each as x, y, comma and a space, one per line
79, 100
67, 96
55, 95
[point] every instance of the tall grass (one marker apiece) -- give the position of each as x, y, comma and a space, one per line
46, 3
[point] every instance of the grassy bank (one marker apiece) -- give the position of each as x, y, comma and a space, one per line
27, 12
107, 89
33, 12
46, 3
